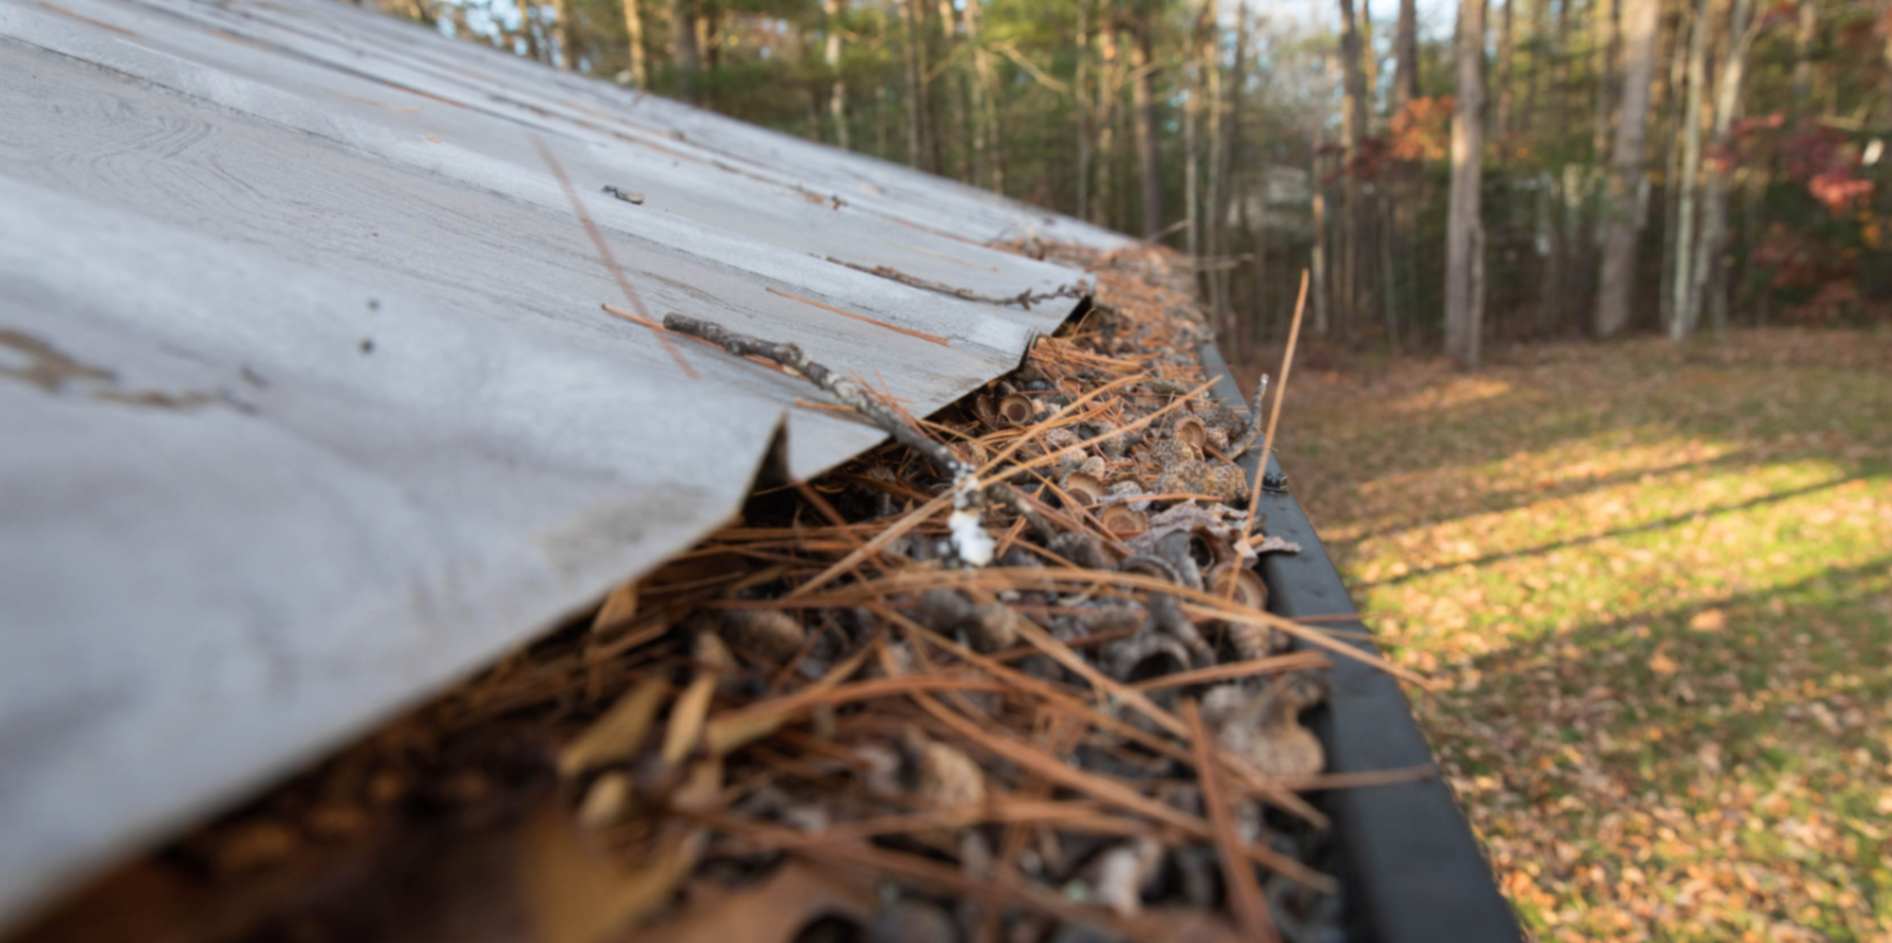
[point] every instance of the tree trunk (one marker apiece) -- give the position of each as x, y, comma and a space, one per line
1684, 308
566, 34
1081, 101
1709, 270
1464, 232
1143, 100
1806, 30
1507, 53
683, 40
1109, 105
529, 31
1607, 14
1353, 209
1369, 63
988, 139
1323, 302
1227, 94
1406, 55
956, 92
917, 148
634, 33
1540, 52
1192, 109
1621, 221
832, 12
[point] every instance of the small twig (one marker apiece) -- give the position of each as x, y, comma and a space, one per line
1252, 434
629, 196
1274, 416
1024, 299
841, 388
1238, 875
969, 540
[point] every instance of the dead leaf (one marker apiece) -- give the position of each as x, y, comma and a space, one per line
772, 911
617, 610
619, 732
576, 893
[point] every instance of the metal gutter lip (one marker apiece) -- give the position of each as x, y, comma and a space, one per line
1410, 870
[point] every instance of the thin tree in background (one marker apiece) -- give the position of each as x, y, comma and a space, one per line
988, 140
1082, 98
1621, 221
1507, 55
1353, 205
684, 49
634, 35
565, 32
918, 149
1464, 233
1709, 269
1143, 106
1406, 55
1681, 280
832, 12
1103, 208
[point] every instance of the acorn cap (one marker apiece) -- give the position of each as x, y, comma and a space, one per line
1190, 431
1250, 591
1122, 523
1015, 409
1085, 489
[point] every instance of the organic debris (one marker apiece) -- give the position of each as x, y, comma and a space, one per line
947, 692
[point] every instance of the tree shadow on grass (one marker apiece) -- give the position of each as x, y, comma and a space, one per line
1733, 741
1661, 523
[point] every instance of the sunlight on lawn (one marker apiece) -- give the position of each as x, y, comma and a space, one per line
1659, 592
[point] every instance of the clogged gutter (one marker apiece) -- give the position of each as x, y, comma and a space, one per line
1009, 677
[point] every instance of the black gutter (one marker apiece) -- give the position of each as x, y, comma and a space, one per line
1409, 869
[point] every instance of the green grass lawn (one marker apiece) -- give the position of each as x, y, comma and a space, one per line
1656, 583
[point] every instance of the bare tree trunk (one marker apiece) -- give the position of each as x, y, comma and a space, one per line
1143, 101
565, 32
1684, 308
1540, 51
1464, 232
1806, 30
1550, 235
1709, 270
1103, 208
1621, 220
1226, 93
1194, 93
988, 139
1081, 100
1369, 61
1323, 302
1352, 130
917, 149
832, 12
683, 40
1403, 181
1607, 14
1507, 52
709, 24
528, 30
1406, 55
634, 32
956, 90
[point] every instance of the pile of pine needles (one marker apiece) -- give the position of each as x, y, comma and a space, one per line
1009, 677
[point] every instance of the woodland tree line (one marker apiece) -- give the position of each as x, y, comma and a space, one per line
1545, 168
